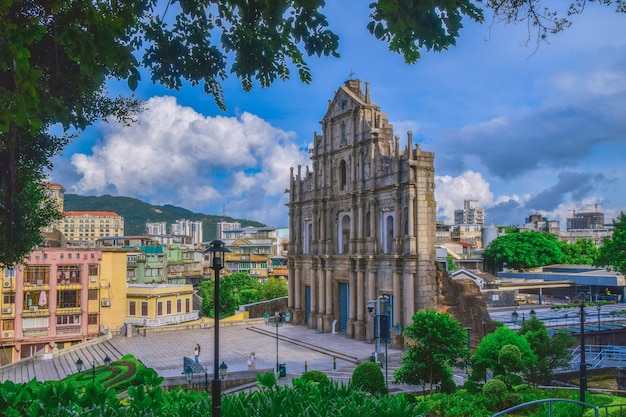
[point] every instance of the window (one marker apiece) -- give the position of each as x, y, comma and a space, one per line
93, 269
8, 298
8, 324
144, 308
168, 307
37, 275
179, 305
132, 308
92, 319
187, 305
342, 174
92, 294
68, 320
9, 272
68, 299
159, 308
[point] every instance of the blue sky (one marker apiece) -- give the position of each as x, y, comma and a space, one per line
520, 128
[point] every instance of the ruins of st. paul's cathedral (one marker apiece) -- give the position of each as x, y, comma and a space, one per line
362, 222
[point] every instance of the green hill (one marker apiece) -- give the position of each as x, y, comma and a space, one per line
136, 213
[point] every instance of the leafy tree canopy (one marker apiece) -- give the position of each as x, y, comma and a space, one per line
488, 353
524, 250
438, 343
552, 352
581, 252
612, 253
57, 56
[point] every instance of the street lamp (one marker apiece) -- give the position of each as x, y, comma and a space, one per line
279, 321
484, 322
599, 307
514, 317
532, 313
188, 374
223, 369
583, 364
107, 362
217, 249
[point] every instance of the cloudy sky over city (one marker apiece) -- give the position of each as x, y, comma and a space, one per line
521, 128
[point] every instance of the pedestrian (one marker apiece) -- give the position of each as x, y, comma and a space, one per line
196, 353
252, 361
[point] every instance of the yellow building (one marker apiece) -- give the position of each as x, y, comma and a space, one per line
91, 225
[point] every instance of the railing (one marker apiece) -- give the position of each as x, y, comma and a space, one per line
550, 402
164, 320
599, 356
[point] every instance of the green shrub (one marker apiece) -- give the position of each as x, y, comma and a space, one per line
316, 376
368, 377
494, 388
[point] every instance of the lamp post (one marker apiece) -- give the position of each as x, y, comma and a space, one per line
279, 321
188, 374
514, 317
80, 365
484, 322
217, 249
599, 307
532, 313
583, 364
223, 370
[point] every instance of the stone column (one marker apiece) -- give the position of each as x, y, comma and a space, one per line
328, 317
359, 325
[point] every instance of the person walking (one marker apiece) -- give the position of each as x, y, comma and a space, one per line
252, 361
196, 353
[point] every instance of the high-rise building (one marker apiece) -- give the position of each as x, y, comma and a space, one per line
471, 213
188, 228
362, 222
591, 220
156, 228
224, 226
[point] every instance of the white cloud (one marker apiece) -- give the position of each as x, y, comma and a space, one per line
178, 156
451, 192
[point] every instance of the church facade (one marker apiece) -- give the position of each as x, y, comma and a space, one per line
362, 222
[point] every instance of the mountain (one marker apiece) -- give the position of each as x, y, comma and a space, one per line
136, 213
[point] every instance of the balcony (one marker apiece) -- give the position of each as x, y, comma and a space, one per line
68, 330
36, 332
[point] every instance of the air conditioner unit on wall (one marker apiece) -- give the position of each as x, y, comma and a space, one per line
93, 278
6, 284
33, 308
105, 303
8, 334
7, 310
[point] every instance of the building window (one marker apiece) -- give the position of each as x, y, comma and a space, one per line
92, 319
179, 305
159, 308
8, 324
37, 275
144, 308
68, 320
93, 269
132, 308
187, 305
342, 174
8, 298
68, 299
168, 307
9, 272
92, 294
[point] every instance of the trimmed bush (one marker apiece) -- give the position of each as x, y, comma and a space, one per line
316, 376
494, 388
368, 377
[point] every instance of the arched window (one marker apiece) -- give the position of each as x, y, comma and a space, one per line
405, 218
389, 241
368, 230
342, 174
343, 241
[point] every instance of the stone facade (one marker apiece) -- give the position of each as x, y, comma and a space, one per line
362, 222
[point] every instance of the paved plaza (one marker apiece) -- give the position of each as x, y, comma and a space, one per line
164, 351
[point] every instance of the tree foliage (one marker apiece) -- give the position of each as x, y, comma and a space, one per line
581, 252
488, 354
524, 250
235, 289
58, 55
436, 344
612, 253
552, 352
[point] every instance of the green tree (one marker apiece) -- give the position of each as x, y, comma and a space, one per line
450, 262
235, 289
552, 352
582, 252
488, 352
524, 250
57, 57
273, 288
612, 253
437, 342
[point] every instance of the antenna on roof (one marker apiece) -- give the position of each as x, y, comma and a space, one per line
223, 210
351, 74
